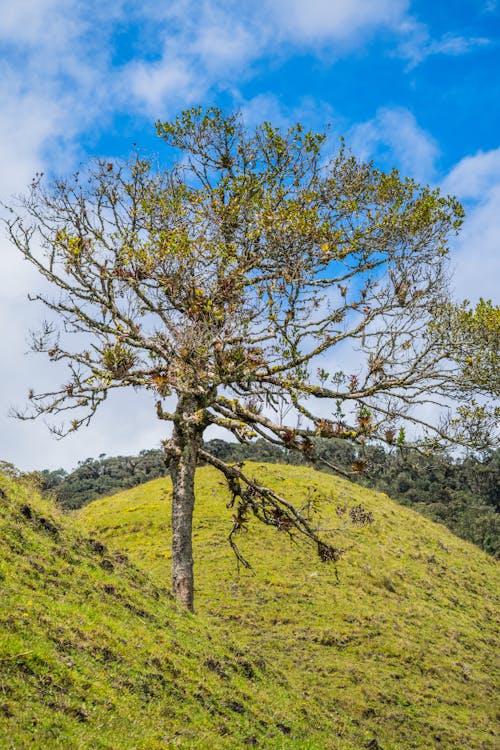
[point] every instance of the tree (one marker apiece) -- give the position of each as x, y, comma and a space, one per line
232, 284
473, 335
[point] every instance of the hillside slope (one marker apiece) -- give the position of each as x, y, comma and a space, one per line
93, 654
398, 652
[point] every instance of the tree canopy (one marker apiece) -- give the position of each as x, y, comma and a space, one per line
258, 284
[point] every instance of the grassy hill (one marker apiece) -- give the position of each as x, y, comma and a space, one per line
95, 654
397, 652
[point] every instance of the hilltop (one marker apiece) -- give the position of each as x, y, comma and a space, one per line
391, 650
461, 492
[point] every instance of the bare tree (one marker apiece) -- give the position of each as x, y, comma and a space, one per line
232, 284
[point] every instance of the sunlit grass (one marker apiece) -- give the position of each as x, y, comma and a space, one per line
399, 648
94, 654
397, 652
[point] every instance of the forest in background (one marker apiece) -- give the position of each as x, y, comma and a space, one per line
463, 494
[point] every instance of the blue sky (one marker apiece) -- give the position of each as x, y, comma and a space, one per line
412, 84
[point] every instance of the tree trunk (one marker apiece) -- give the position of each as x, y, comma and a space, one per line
186, 440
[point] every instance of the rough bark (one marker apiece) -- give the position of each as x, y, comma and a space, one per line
183, 450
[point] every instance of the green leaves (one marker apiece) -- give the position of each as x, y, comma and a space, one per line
472, 338
118, 360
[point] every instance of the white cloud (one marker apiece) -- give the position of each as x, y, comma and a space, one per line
474, 176
35, 23
221, 39
477, 256
202, 46
476, 181
394, 136
453, 44
28, 120
54, 80
416, 43
53, 85
264, 107
125, 423
161, 86
215, 44
311, 21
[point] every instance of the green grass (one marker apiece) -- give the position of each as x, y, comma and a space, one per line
397, 653
94, 654
400, 649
